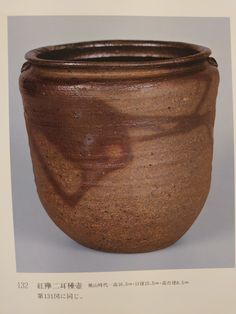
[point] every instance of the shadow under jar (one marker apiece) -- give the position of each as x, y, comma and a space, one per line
121, 138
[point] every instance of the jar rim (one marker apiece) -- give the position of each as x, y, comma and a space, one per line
118, 55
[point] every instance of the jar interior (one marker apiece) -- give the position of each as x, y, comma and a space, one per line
117, 53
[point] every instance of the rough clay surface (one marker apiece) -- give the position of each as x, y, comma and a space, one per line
121, 165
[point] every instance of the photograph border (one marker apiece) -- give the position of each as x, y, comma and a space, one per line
210, 289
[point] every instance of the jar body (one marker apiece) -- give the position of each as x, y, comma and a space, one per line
121, 165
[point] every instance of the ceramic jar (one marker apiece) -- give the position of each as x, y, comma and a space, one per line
121, 138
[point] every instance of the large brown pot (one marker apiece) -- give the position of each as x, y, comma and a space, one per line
121, 138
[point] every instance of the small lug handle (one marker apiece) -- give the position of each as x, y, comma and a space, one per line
212, 61
25, 66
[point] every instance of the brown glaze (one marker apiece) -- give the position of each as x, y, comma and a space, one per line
121, 138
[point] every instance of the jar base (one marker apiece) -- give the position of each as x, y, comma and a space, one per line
128, 250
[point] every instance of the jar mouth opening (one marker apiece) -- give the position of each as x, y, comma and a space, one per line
118, 53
